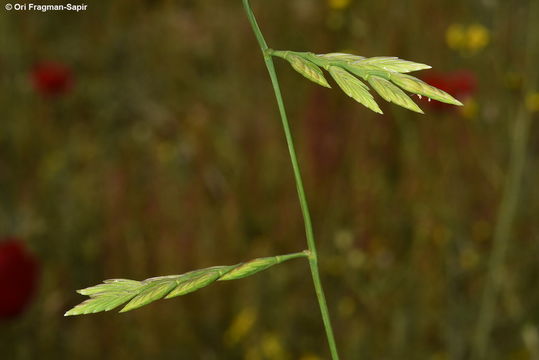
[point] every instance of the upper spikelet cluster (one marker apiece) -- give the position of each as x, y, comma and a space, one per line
386, 75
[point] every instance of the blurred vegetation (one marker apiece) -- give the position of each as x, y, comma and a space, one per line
161, 152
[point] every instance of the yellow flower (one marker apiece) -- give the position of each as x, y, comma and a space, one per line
467, 39
455, 36
241, 325
469, 109
339, 4
478, 37
272, 348
532, 102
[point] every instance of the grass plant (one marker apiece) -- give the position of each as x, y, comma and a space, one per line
388, 76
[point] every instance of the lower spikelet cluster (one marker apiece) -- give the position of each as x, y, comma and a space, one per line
115, 292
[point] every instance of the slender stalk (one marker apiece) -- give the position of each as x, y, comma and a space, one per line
502, 235
283, 258
313, 256
507, 210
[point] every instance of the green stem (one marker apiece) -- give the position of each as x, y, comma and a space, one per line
313, 257
283, 258
502, 236
508, 206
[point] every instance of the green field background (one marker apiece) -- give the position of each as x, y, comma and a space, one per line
167, 155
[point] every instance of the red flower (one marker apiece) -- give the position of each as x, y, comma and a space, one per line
52, 79
18, 277
460, 84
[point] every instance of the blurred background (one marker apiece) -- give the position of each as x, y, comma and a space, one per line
141, 138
